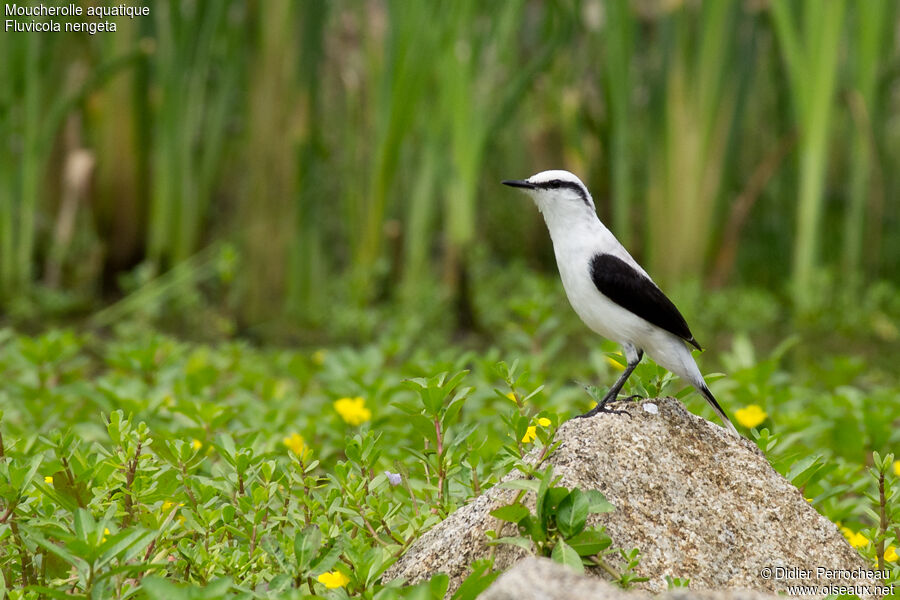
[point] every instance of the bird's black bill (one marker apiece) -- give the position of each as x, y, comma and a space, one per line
519, 183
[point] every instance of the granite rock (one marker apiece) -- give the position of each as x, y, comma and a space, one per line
542, 579
698, 502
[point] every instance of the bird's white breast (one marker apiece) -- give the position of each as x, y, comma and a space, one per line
575, 242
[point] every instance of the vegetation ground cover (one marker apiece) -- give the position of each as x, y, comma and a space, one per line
132, 460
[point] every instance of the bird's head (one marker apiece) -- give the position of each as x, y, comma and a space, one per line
558, 192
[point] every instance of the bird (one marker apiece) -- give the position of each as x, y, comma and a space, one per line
611, 293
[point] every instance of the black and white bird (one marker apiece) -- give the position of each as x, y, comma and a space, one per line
608, 289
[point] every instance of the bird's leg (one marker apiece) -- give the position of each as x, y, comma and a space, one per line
634, 357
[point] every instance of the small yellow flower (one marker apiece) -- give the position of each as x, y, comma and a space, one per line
614, 363
857, 540
544, 422
318, 357
169, 505
890, 554
530, 434
333, 579
196, 444
105, 533
750, 416
48, 479
512, 397
353, 410
296, 443
897, 468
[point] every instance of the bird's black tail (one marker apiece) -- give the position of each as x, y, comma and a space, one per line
719, 410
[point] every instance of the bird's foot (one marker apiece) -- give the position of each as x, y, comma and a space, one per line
602, 408
633, 398
602, 405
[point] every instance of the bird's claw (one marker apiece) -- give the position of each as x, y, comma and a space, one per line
602, 408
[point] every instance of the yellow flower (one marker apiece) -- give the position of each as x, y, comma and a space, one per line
318, 357
169, 505
857, 540
897, 468
614, 363
334, 579
890, 554
353, 410
105, 533
296, 443
48, 479
750, 416
511, 396
196, 444
544, 422
530, 434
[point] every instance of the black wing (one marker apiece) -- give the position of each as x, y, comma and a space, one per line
624, 285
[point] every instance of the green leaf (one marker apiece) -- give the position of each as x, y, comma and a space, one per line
589, 542
517, 540
531, 485
564, 554
478, 580
597, 502
802, 470
541, 512
326, 559
53, 593
58, 551
511, 512
125, 545
571, 516
532, 526
306, 545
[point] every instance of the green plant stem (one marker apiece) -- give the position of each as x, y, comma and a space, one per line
606, 567
883, 519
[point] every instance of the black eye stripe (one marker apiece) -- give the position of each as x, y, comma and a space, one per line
555, 184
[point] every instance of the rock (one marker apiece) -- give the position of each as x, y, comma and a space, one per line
698, 502
542, 579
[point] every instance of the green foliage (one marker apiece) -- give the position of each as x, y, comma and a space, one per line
137, 464
558, 527
142, 464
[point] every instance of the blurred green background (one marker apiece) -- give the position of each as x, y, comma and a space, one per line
277, 169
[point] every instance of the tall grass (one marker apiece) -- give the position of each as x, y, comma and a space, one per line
23, 104
41, 90
690, 144
871, 31
401, 78
353, 149
618, 43
810, 51
308, 264
195, 71
480, 94
267, 206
